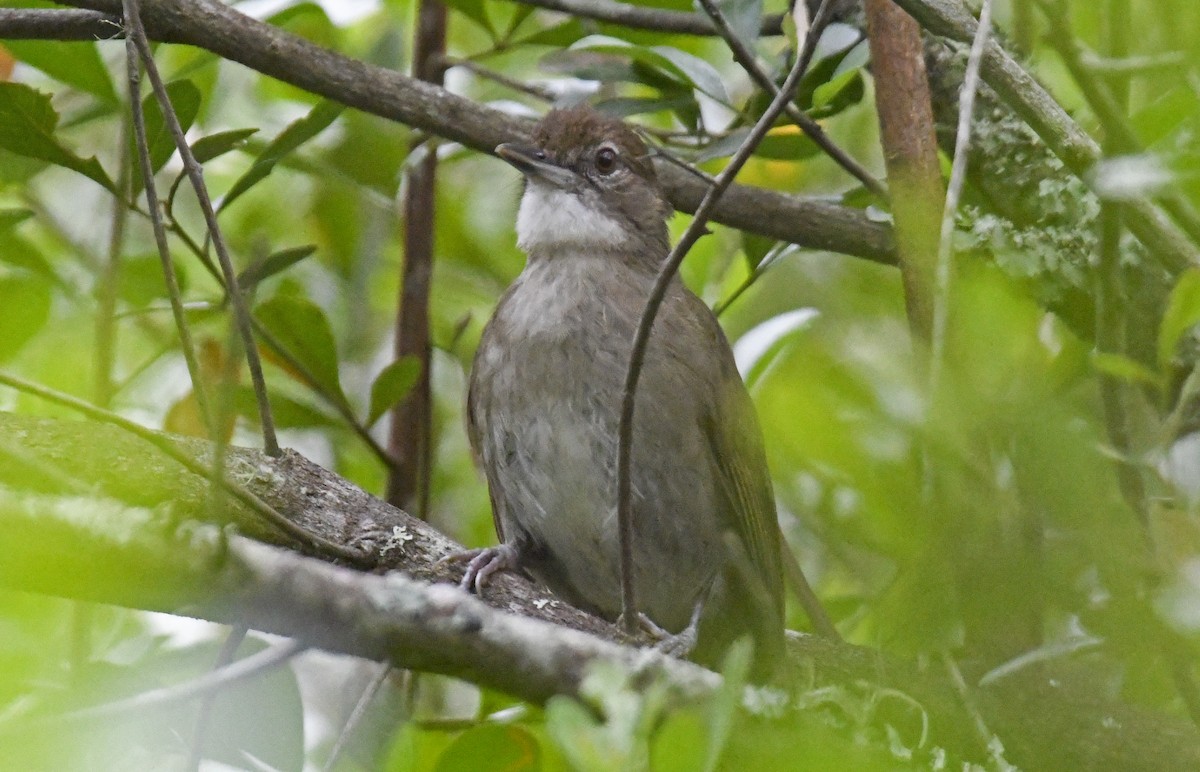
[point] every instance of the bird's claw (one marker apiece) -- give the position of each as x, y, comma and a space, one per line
679, 644
481, 564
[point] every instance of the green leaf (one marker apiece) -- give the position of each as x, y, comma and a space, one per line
838, 94
674, 64
507, 747
10, 218
1183, 311
744, 16
558, 36
27, 123
287, 413
185, 102
142, 279
214, 145
24, 311
1124, 368
296, 134
78, 64
302, 329
273, 264
626, 106
476, 12
392, 385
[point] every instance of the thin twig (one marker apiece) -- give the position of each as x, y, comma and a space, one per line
637, 16
254, 665
166, 445
958, 177
745, 57
356, 715
241, 314
637, 354
537, 92
160, 236
204, 711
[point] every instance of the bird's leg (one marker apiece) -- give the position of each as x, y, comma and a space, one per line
482, 563
678, 644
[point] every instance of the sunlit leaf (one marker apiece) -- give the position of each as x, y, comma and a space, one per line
301, 327
508, 747
393, 384
27, 123
1183, 312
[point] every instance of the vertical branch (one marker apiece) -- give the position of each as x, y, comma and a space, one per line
409, 442
958, 176
906, 128
186, 344
241, 314
637, 353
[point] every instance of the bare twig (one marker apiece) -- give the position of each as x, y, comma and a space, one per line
254, 665
410, 438
637, 354
58, 24
356, 715
641, 17
745, 58
958, 177
241, 313
186, 343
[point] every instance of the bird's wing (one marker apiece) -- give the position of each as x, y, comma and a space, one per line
475, 438
744, 484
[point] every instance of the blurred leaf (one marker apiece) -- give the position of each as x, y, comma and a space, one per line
273, 264
10, 218
296, 134
1183, 311
309, 21
507, 747
393, 384
301, 327
141, 279
1162, 117
78, 64
558, 36
185, 101
24, 311
27, 123
787, 143
755, 350
1124, 368
838, 94
755, 248
287, 413
214, 145
1129, 177
744, 16
677, 65
626, 106
476, 12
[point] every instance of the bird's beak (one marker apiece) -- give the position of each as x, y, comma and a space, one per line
535, 164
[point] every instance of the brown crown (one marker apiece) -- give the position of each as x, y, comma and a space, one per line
566, 134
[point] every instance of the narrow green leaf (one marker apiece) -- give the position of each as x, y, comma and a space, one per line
676, 65
301, 327
1124, 368
558, 36
27, 123
1183, 311
185, 101
296, 134
214, 145
78, 64
392, 385
273, 264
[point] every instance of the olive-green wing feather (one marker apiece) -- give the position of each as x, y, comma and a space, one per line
740, 465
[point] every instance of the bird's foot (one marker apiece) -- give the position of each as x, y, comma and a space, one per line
679, 644
482, 563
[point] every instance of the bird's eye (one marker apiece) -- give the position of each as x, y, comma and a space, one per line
606, 160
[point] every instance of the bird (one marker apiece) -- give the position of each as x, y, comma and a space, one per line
544, 403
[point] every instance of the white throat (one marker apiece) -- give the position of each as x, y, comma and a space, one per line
552, 218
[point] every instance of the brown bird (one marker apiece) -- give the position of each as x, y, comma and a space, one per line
545, 396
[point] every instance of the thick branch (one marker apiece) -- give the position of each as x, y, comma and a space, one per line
118, 544
271, 51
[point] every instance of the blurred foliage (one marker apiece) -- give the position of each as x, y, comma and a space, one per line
986, 520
